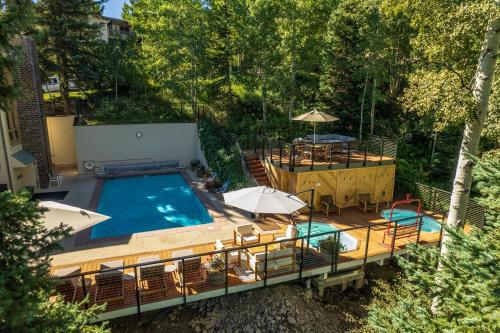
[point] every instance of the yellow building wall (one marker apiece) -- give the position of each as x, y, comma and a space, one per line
344, 185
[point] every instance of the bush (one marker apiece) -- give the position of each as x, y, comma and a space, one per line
221, 154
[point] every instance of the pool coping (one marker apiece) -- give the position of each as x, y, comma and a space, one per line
83, 237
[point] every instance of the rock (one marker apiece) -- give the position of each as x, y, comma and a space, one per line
291, 320
197, 329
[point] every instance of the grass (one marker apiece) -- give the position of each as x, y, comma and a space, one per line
81, 94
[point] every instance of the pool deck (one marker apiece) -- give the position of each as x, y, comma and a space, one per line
84, 191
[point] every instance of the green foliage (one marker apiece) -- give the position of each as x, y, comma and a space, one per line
466, 290
68, 40
221, 154
25, 285
134, 110
14, 19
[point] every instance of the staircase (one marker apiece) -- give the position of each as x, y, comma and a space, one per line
257, 169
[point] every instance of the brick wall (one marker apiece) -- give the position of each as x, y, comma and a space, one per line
30, 111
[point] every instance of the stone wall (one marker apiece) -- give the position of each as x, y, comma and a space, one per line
30, 111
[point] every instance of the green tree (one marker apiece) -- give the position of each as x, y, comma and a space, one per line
14, 19
68, 39
25, 284
467, 286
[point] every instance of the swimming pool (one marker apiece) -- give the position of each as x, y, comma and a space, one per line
428, 225
350, 243
147, 203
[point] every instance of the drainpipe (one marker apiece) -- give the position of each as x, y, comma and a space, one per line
6, 153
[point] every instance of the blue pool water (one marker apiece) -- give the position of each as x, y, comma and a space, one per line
146, 203
349, 242
428, 225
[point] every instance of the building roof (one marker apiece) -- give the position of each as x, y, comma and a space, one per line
24, 158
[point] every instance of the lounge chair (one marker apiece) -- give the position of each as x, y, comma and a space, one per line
291, 233
192, 272
56, 178
245, 234
366, 203
232, 256
223, 189
67, 286
151, 277
110, 285
327, 205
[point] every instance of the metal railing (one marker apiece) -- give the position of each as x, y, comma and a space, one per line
374, 151
132, 289
438, 201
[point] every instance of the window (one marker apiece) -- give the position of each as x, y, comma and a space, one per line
13, 125
124, 29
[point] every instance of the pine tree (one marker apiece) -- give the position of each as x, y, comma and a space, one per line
15, 18
67, 40
467, 286
25, 285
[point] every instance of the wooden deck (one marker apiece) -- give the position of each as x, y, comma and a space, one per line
239, 278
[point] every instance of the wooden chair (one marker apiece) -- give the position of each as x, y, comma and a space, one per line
327, 205
192, 272
245, 234
110, 285
67, 287
366, 203
152, 277
291, 233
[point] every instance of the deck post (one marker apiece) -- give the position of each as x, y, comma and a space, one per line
271, 148
137, 296
226, 283
332, 264
348, 164
265, 266
301, 267
184, 296
291, 159
366, 151
381, 152
337, 248
312, 157
263, 148
367, 244
84, 288
331, 156
420, 222
281, 152
394, 238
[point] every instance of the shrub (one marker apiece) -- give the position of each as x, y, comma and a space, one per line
221, 154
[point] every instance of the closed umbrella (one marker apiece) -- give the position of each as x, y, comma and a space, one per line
75, 217
315, 116
263, 200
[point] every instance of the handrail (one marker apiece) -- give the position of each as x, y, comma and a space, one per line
242, 247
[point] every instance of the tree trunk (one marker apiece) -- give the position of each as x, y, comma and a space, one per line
362, 109
372, 111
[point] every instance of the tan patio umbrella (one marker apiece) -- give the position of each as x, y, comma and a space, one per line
315, 116
74, 217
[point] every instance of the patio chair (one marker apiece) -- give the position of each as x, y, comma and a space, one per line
245, 234
291, 233
56, 179
192, 272
232, 256
327, 205
366, 203
67, 287
223, 189
151, 277
110, 285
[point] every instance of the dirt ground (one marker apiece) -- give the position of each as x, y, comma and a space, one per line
282, 308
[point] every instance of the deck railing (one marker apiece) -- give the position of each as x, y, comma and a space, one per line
133, 289
375, 150
438, 201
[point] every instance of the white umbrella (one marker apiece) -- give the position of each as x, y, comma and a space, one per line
263, 200
74, 217
315, 116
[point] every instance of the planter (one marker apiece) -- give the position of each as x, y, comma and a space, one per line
216, 277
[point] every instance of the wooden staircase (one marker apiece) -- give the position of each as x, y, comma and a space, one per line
256, 169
